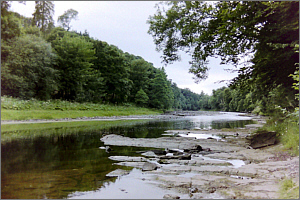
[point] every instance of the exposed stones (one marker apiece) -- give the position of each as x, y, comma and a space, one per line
158, 152
149, 154
212, 176
128, 158
262, 139
211, 189
108, 149
149, 166
117, 173
171, 196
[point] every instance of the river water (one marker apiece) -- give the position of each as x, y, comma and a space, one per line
63, 160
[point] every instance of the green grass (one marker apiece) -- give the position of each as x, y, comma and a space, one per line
288, 189
288, 132
16, 109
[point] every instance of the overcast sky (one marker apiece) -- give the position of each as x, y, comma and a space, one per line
123, 24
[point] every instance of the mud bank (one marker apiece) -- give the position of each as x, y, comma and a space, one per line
224, 167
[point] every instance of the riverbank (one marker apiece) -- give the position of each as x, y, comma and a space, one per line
97, 118
225, 166
22, 110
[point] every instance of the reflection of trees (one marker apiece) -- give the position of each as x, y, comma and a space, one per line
230, 124
59, 161
74, 160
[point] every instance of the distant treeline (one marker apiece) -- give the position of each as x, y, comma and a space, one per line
46, 62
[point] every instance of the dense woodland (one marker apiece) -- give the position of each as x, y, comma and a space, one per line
43, 61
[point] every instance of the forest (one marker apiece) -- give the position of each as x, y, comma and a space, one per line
43, 61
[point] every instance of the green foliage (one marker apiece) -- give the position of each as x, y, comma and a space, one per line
139, 74
111, 63
269, 31
43, 15
27, 71
11, 26
141, 98
161, 94
289, 189
74, 64
226, 29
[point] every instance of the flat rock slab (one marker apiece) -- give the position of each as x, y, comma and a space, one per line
128, 158
211, 176
148, 166
171, 143
117, 173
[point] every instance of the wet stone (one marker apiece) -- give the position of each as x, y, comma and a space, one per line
171, 196
117, 173
149, 166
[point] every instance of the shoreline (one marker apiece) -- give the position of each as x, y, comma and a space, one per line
179, 114
103, 118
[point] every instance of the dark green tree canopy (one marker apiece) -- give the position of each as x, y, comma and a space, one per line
230, 30
27, 71
43, 15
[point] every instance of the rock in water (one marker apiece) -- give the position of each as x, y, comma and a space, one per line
159, 152
171, 196
149, 166
108, 149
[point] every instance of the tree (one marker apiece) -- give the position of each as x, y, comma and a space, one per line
161, 95
139, 75
28, 70
233, 30
111, 63
74, 63
141, 98
43, 15
66, 18
226, 29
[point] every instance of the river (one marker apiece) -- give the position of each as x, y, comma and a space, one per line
63, 160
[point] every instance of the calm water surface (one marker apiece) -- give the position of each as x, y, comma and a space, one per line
63, 160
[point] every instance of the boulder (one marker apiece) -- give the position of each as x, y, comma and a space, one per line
194, 149
149, 166
262, 139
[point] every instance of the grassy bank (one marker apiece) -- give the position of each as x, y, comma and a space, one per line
287, 130
16, 109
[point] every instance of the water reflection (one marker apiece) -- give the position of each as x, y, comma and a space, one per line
54, 160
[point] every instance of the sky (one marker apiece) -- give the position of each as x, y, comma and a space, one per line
123, 24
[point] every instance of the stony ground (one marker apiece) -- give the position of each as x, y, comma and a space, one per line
226, 166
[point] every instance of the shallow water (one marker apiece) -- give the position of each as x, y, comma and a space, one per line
64, 161
135, 185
